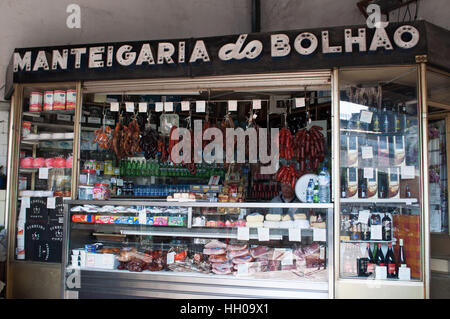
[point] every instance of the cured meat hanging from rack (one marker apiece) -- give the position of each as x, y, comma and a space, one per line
310, 148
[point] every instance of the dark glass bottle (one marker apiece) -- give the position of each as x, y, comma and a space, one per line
401, 253
376, 121
379, 257
370, 264
385, 119
407, 192
390, 263
404, 118
396, 120
387, 227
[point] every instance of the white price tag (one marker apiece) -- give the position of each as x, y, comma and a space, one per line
365, 117
287, 258
404, 273
376, 232
295, 234
366, 152
142, 218
26, 202
142, 107
232, 105
51, 202
185, 105
242, 269
171, 258
368, 172
263, 234
380, 272
256, 104
114, 106
408, 172
119, 182
243, 233
168, 106
363, 217
200, 106
159, 106
43, 173
319, 234
300, 102
129, 107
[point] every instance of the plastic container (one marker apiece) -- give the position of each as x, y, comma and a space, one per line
85, 192
88, 177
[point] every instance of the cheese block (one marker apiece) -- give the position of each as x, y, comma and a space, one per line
255, 218
299, 216
271, 224
319, 225
254, 224
286, 218
273, 217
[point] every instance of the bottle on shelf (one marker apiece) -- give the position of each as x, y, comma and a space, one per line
386, 223
309, 191
401, 254
316, 192
404, 118
390, 263
385, 120
370, 264
407, 192
376, 121
324, 186
379, 257
396, 120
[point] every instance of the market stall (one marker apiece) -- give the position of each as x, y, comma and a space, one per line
224, 167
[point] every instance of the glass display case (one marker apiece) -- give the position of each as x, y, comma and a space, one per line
169, 238
380, 212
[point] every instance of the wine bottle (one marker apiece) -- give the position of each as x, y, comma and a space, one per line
370, 264
385, 121
376, 122
379, 257
396, 120
390, 263
386, 223
401, 253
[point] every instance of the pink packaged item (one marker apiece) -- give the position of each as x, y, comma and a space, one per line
39, 162
26, 162
60, 162
69, 161
35, 102
49, 162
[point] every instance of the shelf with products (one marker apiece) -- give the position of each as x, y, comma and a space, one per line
375, 201
39, 113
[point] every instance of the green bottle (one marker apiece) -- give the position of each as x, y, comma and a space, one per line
316, 193
128, 170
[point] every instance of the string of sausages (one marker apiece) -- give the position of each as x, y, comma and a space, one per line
288, 175
309, 147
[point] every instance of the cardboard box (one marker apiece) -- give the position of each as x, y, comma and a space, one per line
103, 261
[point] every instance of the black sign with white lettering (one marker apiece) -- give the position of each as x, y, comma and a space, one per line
284, 51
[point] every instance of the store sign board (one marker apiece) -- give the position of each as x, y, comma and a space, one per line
236, 54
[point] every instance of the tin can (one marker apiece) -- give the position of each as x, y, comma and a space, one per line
48, 100
35, 102
26, 128
59, 100
71, 99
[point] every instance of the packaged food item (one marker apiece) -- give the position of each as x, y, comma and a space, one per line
83, 218
69, 162
50, 162
38, 162
59, 100
35, 102
85, 192
26, 128
71, 99
399, 150
101, 192
393, 182
352, 151
60, 162
160, 220
48, 100
352, 182
372, 185
26, 162
22, 183
104, 219
176, 221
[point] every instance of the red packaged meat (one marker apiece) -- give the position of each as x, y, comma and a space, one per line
237, 247
214, 251
237, 253
218, 258
241, 260
216, 244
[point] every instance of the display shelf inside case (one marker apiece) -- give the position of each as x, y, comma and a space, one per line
387, 201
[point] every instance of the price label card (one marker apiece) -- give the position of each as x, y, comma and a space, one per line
185, 105
51, 202
26, 202
256, 104
159, 106
114, 107
380, 272
142, 107
365, 117
243, 269
119, 182
263, 234
295, 234
43, 173
129, 107
200, 106
171, 258
404, 273
319, 234
300, 102
232, 105
408, 172
168, 106
288, 258
368, 172
363, 217
142, 218
243, 233
376, 232
366, 152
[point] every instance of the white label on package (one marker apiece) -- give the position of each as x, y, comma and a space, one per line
263, 234
295, 234
114, 107
159, 106
185, 105
26, 202
365, 117
200, 106
242, 269
129, 106
368, 172
119, 182
366, 152
142, 107
168, 106
256, 104
408, 172
232, 105
363, 217
142, 218
51, 202
404, 273
380, 272
243, 233
300, 102
376, 232
171, 258
43, 173
319, 234
287, 258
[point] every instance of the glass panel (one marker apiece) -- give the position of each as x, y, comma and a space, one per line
45, 170
380, 182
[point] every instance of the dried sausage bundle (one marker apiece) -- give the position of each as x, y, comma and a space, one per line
310, 149
288, 175
286, 144
149, 143
103, 136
